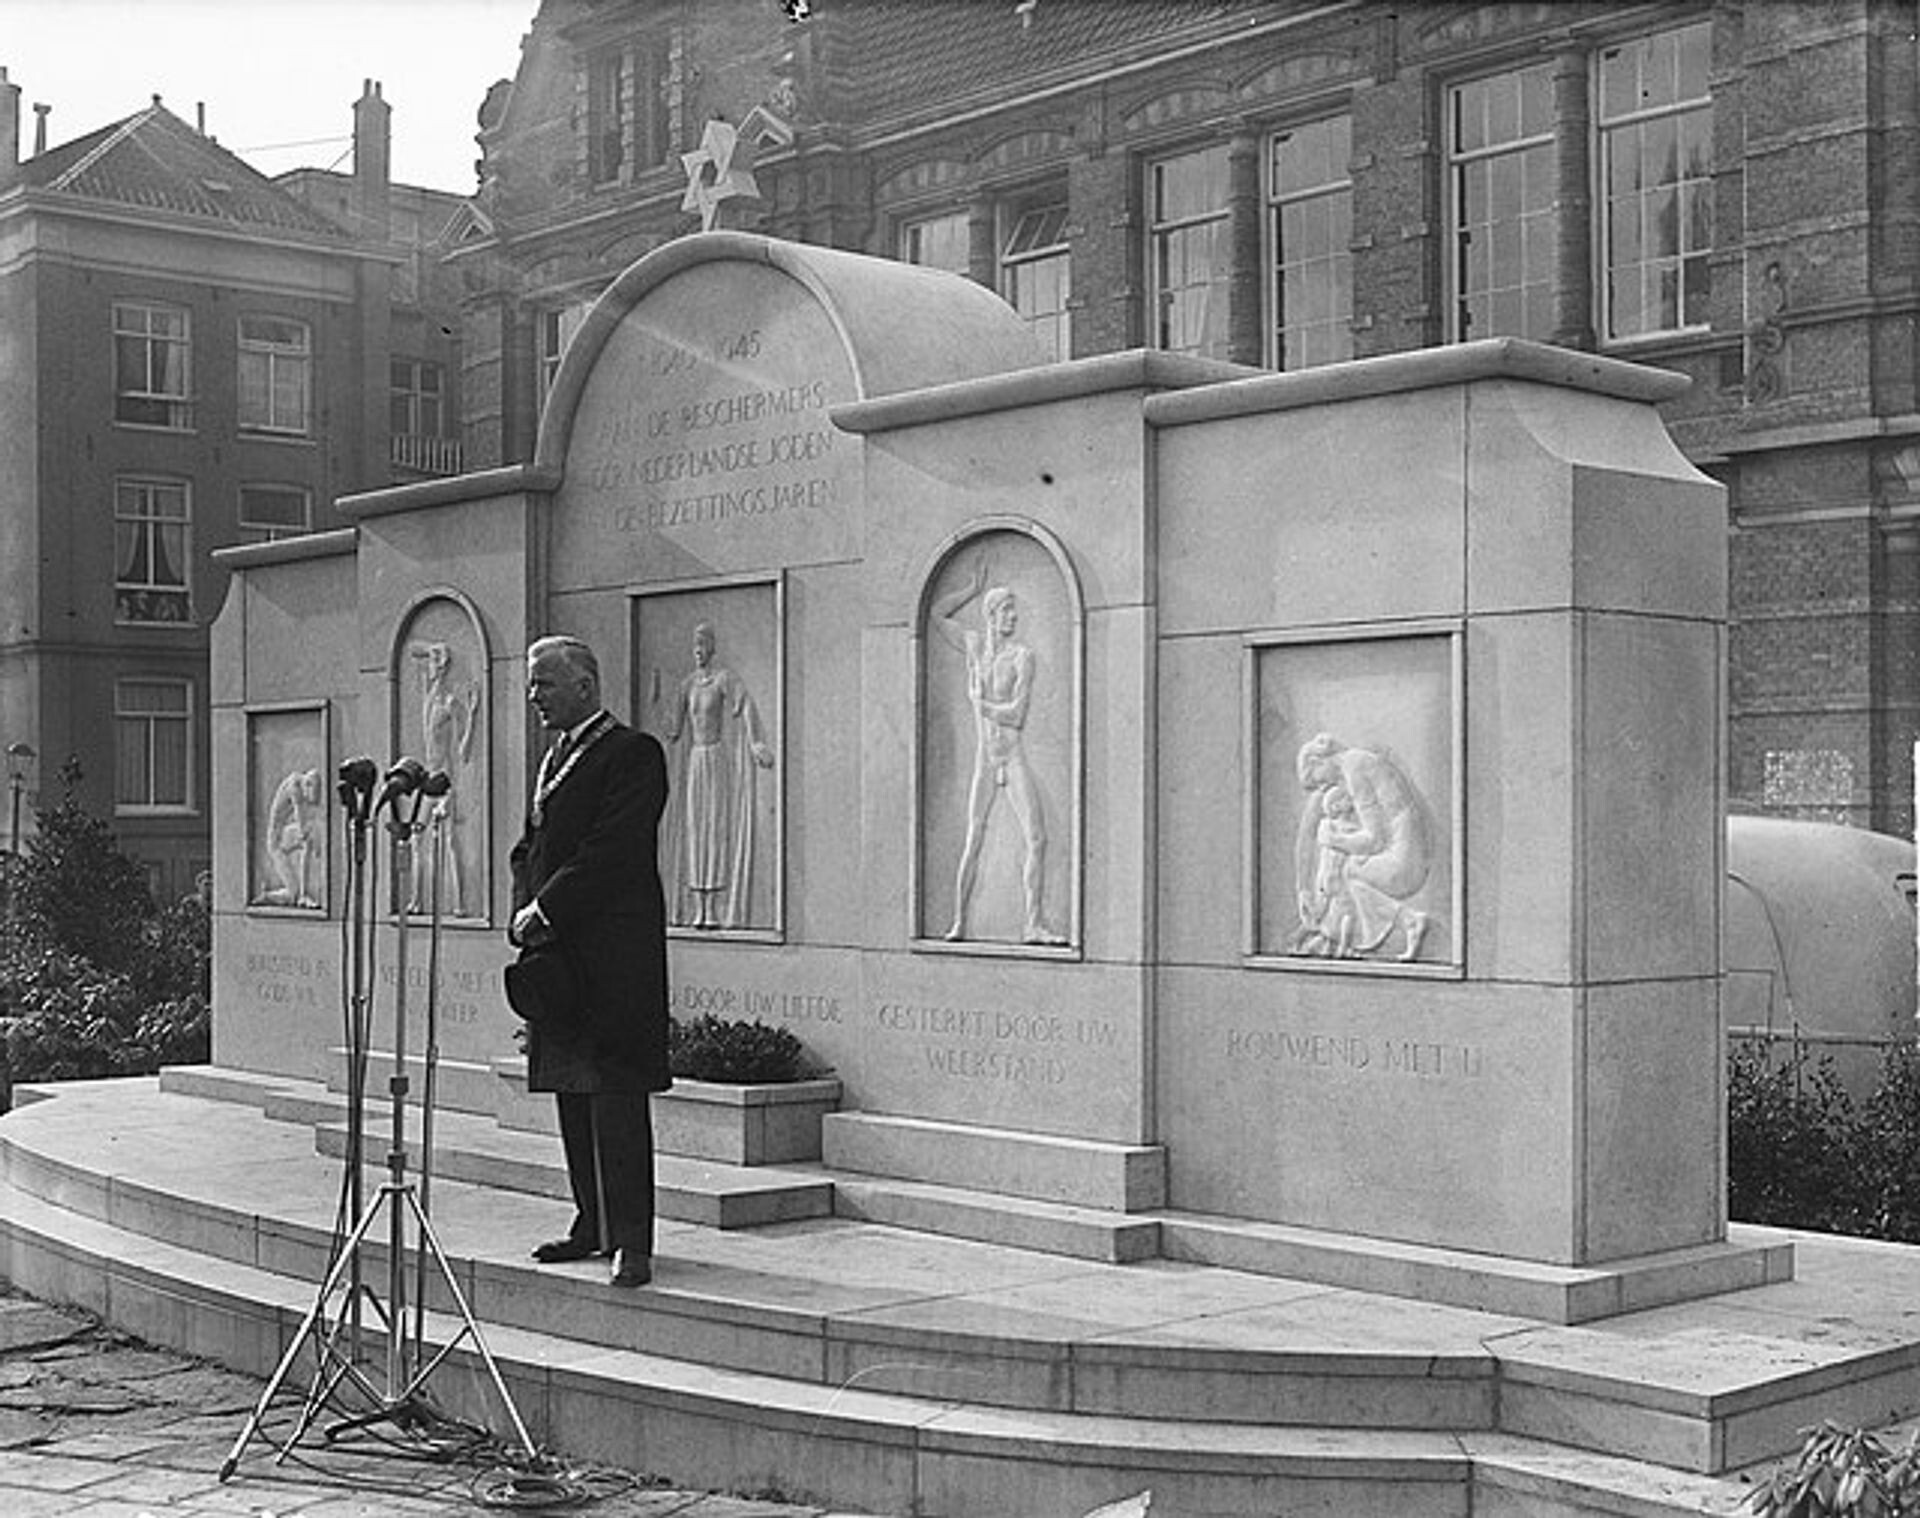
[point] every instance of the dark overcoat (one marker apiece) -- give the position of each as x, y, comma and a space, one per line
593, 860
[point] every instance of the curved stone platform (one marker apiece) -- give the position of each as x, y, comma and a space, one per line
908, 1373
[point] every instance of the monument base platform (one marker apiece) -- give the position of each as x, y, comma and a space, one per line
900, 1372
905, 1171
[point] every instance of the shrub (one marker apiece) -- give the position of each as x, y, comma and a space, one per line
1844, 1471
710, 1048
1888, 1149
76, 889
96, 980
71, 1020
1793, 1140
1802, 1154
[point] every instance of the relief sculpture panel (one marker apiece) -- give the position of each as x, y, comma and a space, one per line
1363, 857
999, 810
287, 801
1355, 813
440, 716
707, 661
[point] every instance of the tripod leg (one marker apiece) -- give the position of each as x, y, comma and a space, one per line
430, 1241
314, 1313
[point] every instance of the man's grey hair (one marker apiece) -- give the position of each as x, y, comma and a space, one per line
575, 657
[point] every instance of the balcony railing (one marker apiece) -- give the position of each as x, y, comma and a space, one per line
426, 455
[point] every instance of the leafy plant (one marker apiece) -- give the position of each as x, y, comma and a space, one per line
76, 889
1793, 1142
95, 979
741, 1050
1846, 1472
1888, 1150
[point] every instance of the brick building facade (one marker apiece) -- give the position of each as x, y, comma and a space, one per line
195, 357
1728, 189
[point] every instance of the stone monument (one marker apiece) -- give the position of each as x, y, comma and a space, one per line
1183, 792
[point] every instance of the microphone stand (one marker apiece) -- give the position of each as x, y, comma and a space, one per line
403, 1402
436, 785
356, 796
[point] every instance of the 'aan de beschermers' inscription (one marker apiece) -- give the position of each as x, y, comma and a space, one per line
737, 455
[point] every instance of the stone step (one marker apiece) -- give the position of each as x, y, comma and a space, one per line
987, 1183
1610, 1408
990, 1326
835, 1436
1118, 1178
993, 1353
1082, 1233
475, 1149
869, 1160
1566, 1294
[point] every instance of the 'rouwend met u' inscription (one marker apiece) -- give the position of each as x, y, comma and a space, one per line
1357, 1053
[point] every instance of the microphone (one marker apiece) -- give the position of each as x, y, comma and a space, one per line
438, 783
403, 779
356, 781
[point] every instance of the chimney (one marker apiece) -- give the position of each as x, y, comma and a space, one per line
40, 114
9, 124
372, 145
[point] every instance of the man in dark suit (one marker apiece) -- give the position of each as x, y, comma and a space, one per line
587, 898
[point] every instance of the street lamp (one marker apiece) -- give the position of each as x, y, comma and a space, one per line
19, 756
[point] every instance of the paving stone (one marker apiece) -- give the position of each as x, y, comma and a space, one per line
100, 1426
28, 1325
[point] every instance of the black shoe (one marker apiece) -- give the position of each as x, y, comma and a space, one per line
559, 1251
631, 1268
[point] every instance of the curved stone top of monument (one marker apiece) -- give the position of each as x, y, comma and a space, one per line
903, 327
1493, 358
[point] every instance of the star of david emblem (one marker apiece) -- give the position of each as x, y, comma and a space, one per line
712, 176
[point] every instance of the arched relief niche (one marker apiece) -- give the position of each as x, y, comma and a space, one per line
708, 673
998, 807
438, 679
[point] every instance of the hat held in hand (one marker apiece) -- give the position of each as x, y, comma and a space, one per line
542, 988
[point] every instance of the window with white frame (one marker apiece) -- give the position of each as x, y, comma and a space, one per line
1655, 119
1501, 176
1036, 273
416, 398
936, 242
153, 745
151, 522
276, 375
557, 328
1188, 252
271, 512
1310, 224
152, 365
